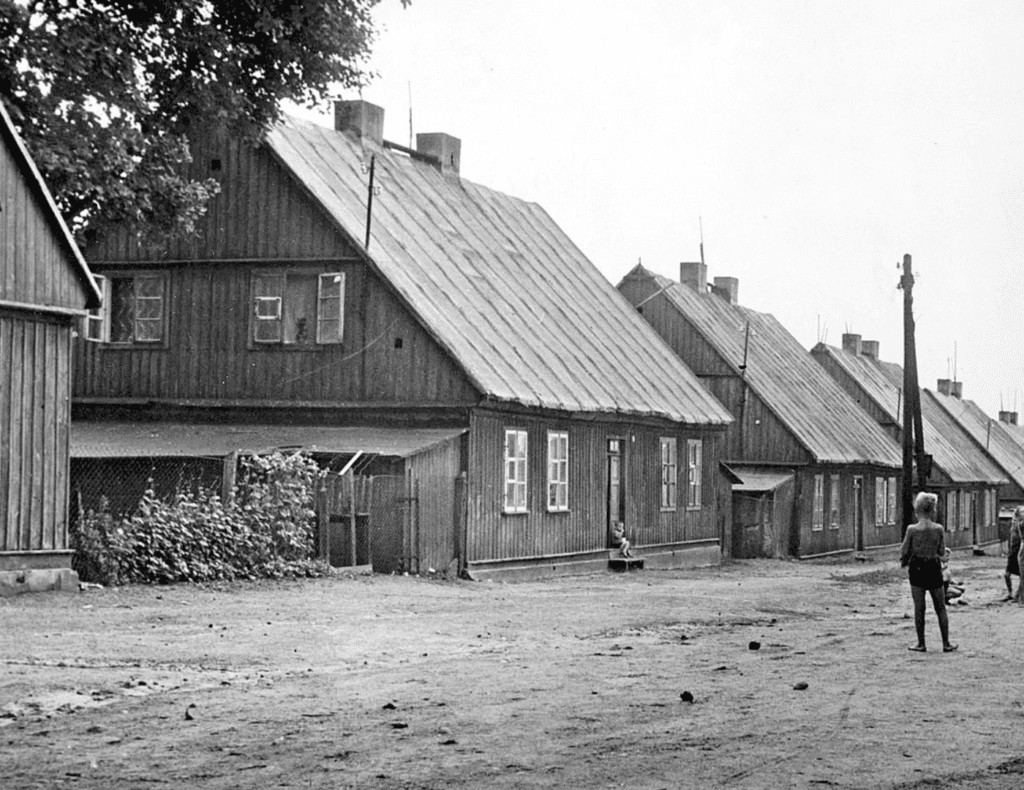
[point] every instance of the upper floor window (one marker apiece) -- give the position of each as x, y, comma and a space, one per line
669, 472
694, 473
558, 470
515, 471
133, 309
298, 308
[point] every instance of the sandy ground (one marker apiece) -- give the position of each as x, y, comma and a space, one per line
392, 682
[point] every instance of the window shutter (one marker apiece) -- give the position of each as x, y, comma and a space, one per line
268, 290
97, 322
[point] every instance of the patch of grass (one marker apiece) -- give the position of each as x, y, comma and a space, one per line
878, 577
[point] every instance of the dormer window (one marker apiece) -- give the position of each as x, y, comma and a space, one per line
298, 308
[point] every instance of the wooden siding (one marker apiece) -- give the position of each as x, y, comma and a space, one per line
856, 391
810, 542
35, 267
433, 473
761, 436
34, 433
260, 213
757, 435
208, 354
495, 535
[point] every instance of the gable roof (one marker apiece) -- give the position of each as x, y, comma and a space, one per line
35, 181
782, 373
496, 283
999, 441
951, 448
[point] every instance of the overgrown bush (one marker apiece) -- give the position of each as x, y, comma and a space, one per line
267, 529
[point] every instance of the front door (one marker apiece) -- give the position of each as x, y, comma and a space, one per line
858, 512
616, 488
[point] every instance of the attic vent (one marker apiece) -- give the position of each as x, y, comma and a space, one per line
398, 342
215, 164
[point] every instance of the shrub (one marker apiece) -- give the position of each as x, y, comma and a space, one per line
267, 529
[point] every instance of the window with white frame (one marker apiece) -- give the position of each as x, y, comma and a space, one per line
890, 516
694, 473
298, 308
669, 472
818, 516
833, 501
515, 471
558, 470
133, 310
881, 498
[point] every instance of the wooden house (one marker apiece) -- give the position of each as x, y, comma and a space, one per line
340, 280
819, 476
45, 287
1001, 440
964, 476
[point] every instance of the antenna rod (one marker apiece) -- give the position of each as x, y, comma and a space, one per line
369, 203
700, 220
410, 113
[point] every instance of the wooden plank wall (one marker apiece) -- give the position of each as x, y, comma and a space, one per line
34, 432
494, 535
843, 539
260, 213
843, 378
208, 354
435, 470
34, 266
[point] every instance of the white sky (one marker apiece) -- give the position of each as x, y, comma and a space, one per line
819, 141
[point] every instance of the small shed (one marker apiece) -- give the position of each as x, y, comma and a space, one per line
45, 286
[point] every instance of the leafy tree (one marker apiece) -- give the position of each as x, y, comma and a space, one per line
106, 92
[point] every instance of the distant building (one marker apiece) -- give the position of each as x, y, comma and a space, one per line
818, 476
45, 287
532, 409
1002, 440
964, 476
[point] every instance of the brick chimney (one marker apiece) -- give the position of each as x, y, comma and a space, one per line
869, 348
694, 275
444, 148
360, 118
851, 343
956, 389
728, 288
1009, 417
942, 385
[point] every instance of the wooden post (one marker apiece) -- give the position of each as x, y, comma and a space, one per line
227, 480
913, 433
323, 523
352, 517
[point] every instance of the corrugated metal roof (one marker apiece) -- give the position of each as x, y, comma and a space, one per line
497, 284
17, 146
163, 440
952, 450
818, 412
997, 439
760, 478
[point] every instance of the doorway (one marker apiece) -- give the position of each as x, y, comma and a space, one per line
616, 502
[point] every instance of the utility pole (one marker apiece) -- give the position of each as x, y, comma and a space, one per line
913, 431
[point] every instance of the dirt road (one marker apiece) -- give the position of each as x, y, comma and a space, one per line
392, 682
